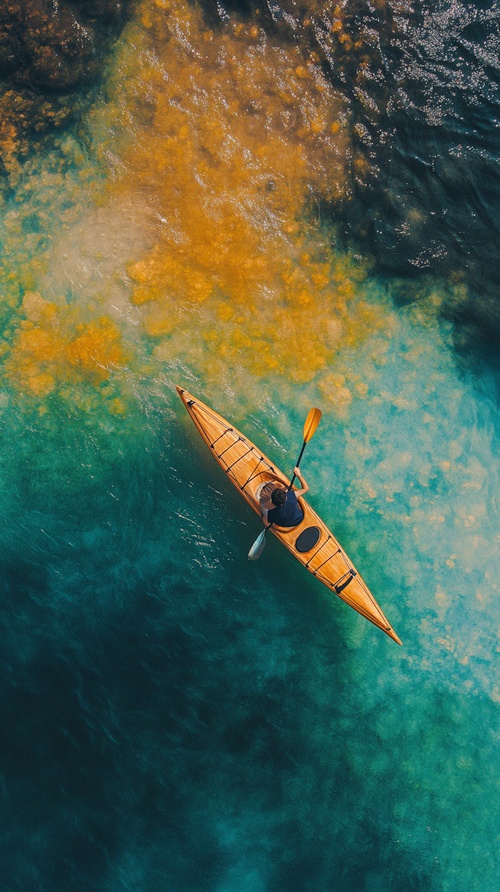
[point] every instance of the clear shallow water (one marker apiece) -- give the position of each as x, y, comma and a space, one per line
174, 717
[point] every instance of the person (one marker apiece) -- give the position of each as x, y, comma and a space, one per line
281, 506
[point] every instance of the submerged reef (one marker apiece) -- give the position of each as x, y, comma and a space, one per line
56, 46
422, 85
49, 51
367, 118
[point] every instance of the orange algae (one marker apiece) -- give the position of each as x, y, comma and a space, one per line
53, 347
231, 138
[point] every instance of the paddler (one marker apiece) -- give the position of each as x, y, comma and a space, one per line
280, 506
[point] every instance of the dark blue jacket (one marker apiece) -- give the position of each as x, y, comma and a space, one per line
288, 515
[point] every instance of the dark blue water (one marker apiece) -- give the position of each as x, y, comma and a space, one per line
175, 718
428, 105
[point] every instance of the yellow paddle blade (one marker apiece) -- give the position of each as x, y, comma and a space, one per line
312, 421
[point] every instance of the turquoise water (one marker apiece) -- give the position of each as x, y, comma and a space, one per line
174, 717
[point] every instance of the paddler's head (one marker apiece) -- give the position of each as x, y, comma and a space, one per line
278, 497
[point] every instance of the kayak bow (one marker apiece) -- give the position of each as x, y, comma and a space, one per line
311, 542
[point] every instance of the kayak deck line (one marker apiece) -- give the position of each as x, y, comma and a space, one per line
252, 477
311, 542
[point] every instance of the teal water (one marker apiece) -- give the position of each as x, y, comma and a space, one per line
174, 717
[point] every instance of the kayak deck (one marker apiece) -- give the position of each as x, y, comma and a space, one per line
311, 542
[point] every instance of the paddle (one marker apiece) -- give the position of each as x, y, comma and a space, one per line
312, 421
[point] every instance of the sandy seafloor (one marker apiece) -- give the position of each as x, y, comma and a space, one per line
175, 718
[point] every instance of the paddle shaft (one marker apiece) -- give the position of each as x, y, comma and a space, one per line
310, 426
294, 474
298, 463
312, 421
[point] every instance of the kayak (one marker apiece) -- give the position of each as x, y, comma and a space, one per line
311, 542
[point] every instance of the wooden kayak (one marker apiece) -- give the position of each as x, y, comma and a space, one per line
311, 542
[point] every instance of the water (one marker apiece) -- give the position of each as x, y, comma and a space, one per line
175, 718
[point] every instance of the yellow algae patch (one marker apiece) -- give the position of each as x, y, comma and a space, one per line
332, 388
232, 139
53, 347
97, 350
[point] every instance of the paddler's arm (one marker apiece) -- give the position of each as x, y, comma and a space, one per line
304, 485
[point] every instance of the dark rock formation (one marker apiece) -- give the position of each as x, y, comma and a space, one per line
49, 50
55, 44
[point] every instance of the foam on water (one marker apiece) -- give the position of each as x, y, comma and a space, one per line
174, 717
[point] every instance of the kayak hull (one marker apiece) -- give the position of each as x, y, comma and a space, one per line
311, 542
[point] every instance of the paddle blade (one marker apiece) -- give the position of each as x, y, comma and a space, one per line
257, 547
312, 421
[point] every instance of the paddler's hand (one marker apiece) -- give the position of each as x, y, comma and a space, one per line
304, 485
